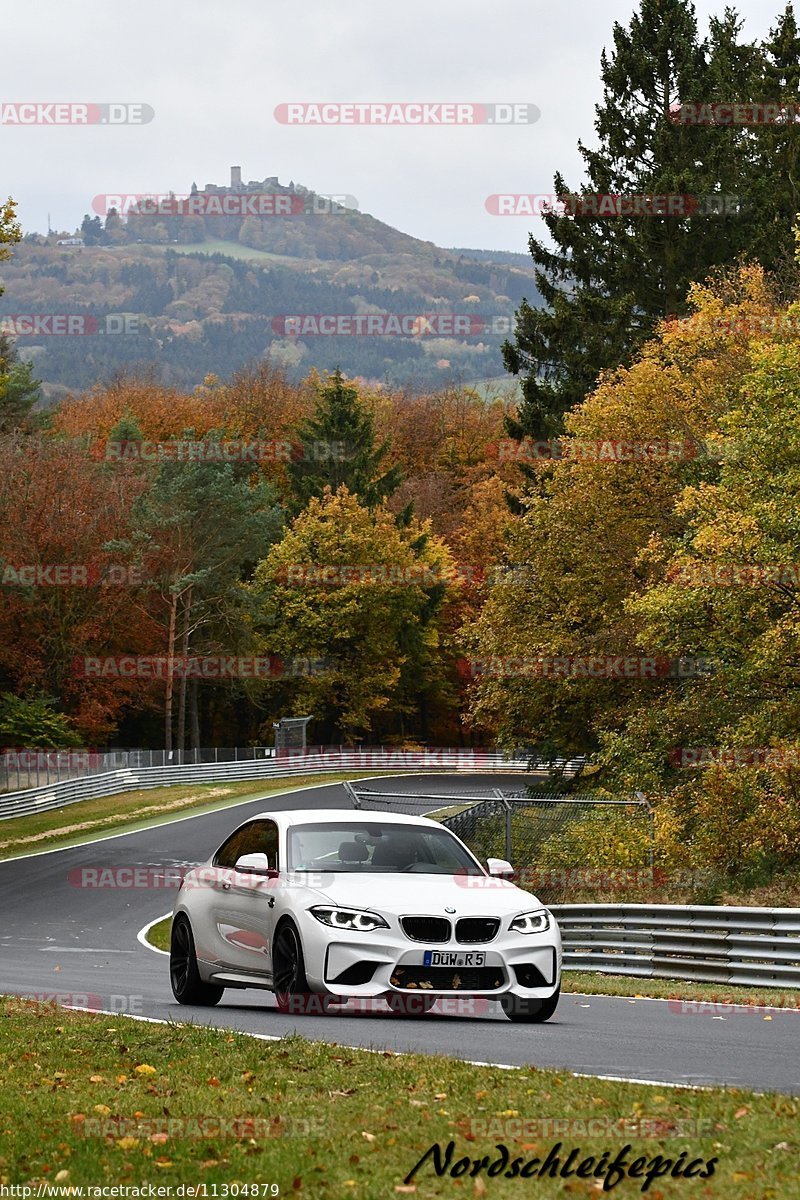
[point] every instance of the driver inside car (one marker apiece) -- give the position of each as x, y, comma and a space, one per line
396, 850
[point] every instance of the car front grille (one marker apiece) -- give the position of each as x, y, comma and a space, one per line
448, 979
426, 929
472, 930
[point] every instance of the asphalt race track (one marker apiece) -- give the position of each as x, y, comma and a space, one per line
70, 941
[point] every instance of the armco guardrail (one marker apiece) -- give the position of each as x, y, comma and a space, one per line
286, 765
21, 769
697, 942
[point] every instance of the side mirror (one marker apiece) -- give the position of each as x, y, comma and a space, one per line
500, 868
255, 864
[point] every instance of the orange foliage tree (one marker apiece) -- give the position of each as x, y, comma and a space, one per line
65, 598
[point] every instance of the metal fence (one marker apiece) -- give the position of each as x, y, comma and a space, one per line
285, 764
23, 769
542, 834
697, 942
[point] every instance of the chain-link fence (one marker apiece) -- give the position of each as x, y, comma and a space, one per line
560, 846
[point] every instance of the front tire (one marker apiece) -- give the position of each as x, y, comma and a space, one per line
531, 1012
292, 993
187, 986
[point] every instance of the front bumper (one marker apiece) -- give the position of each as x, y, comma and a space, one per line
386, 961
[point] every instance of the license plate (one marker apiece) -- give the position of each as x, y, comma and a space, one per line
454, 958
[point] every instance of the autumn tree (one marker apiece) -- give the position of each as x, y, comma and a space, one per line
161, 413
575, 558
10, 232
687, 555
199, 526
67, 601
348, 589
447, 442
35, 722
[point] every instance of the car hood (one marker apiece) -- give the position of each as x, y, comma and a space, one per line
422, 894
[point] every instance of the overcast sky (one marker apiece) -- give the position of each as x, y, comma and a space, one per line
214, 74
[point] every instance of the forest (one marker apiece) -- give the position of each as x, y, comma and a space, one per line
605, 565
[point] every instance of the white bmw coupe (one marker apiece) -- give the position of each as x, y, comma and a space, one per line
342, 904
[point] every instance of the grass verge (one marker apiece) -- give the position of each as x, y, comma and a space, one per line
158, 935
87, 819
95, 1100
667, 989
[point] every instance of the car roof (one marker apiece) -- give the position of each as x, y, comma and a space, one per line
321, 816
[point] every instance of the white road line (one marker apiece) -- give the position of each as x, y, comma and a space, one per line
80, 950
726, 1004
272, 1037
693, 1087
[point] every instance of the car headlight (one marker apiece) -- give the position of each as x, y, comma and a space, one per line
531, 922
348, 918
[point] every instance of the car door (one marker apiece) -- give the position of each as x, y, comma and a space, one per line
242, 904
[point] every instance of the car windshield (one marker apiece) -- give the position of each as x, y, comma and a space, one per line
373, 847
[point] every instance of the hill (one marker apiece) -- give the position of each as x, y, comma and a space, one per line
186, 286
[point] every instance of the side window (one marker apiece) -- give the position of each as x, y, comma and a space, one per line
232, 850
259, 837
263, 839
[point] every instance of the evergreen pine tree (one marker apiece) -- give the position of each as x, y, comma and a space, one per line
19, 391
777, 169
607, 280
337, 447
